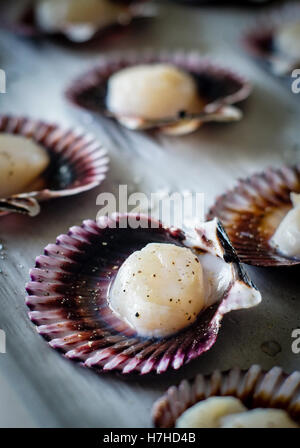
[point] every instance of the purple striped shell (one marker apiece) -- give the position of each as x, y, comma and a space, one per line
218, 88
254, 387
68, 291
252, 211
78, 162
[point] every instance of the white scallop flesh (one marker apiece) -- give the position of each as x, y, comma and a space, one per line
208, 413
286, 239
55, 15
159, 290
217, 278
259, 418
22, 161
288, 40
152, 92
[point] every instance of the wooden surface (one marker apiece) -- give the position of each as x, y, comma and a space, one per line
37, 386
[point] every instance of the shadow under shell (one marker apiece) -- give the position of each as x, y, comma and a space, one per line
68, 301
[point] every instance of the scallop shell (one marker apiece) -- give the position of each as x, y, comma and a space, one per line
67, 296
219, 88
252, 211
78, 162
259, 41
254, 387
25, 24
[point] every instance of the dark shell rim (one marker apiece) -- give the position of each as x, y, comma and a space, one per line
255, 387
252, 37
275, 258
94, 154
97, 76
186, 349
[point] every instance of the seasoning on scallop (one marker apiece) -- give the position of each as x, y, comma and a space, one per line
159, 290
79, 17
229, 412
22, 162
287, 236
153, 92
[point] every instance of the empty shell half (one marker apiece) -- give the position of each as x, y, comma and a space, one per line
115, 296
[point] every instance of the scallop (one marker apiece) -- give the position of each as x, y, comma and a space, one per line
287, 40
159, 289
286, 239
261, 216
136, 299
174, 93
259, 418
40, 161
276, 40
79, 19
236, 398
53, 14
147, 91
209, 413
22, 162
229, 412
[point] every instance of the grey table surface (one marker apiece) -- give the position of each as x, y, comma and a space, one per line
37, 386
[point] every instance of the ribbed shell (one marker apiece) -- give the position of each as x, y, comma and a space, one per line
78, 162
254, 387
252, 211
218, 87
67, 296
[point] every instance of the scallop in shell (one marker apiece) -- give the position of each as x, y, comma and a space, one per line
255, 388
253, 211
76, 21
275, 40
72, 163
204, 91
70, 291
